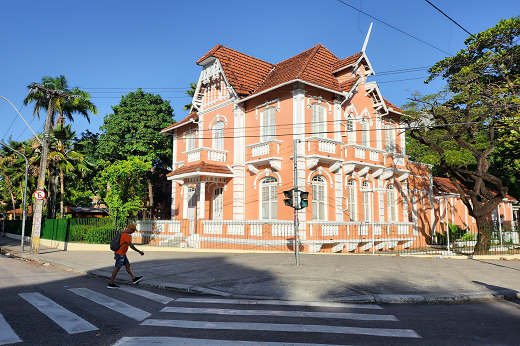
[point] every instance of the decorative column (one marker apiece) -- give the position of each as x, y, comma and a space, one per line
202, 201
174, 185
299, 134
239, 156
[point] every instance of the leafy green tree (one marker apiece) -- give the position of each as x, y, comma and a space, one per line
483, 85
133, 130
125, 192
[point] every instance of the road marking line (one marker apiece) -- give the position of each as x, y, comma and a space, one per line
7, 334
279, 327
173, 341
146, 294
306, 314
279, 302
111, 303
67, 320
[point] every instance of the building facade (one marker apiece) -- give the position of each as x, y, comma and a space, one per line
234, 155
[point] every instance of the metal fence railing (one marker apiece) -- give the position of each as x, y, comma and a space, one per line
278, 235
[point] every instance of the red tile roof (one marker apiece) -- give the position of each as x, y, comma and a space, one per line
243, 72
192, 115
346, 62
444, 185
312, 66
348, 85
394, 107
201, 167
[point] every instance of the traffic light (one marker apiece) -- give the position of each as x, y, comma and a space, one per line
288, 201
304, 199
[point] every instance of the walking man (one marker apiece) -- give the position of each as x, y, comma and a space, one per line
121, 259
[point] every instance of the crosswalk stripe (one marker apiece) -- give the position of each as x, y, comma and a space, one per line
279, 302
278, 327
111, 303
7, 334
307, 314
67, 320
174, 341
146, 294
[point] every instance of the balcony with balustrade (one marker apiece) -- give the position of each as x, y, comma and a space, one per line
206, 154
264, 153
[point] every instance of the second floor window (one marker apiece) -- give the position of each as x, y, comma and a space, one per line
218, 135
190, 142
318, 121
268, 121
390, 138
365, 133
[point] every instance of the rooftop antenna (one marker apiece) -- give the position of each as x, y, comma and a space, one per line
366, 39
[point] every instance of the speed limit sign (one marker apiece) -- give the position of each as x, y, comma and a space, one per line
39, 194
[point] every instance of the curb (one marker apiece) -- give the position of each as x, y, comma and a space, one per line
468, 297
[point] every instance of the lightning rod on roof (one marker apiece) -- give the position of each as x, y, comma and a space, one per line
366, 39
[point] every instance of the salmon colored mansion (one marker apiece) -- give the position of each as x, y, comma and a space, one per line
233, 157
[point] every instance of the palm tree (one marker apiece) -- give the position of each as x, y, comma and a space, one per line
64, 104
191, 92
64, 158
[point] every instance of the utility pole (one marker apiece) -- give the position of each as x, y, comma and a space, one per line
51, 94
295, 203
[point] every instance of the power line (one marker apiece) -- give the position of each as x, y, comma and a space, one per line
449, 18
393, 27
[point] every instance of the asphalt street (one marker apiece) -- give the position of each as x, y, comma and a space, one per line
34, 297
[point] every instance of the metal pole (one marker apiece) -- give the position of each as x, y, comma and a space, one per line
22, 119
295, 201
447, 228
499, 224
25, 191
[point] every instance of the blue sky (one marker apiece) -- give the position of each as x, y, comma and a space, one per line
110, 48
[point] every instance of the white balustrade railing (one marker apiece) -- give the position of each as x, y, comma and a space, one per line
374, 156
260, 149
399, 161
327, 146
194, 156
216, 156
360, 153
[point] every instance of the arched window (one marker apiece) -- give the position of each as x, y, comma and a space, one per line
268, 198
318, 198
352, 199
218, 208
390, 138
365, 134
366, 201
318, 120
218, 135
268, 121
391, 203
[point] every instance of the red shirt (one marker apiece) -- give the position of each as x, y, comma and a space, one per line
125, 239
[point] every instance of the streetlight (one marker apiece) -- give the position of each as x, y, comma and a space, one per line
25, 190
22, 119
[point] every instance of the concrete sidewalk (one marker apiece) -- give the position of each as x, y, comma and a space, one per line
319, 277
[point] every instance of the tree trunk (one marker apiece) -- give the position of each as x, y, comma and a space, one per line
62, 188
13, 200
484, 236
150, 199
52, 192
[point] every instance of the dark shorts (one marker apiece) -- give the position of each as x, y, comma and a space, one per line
121, 260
